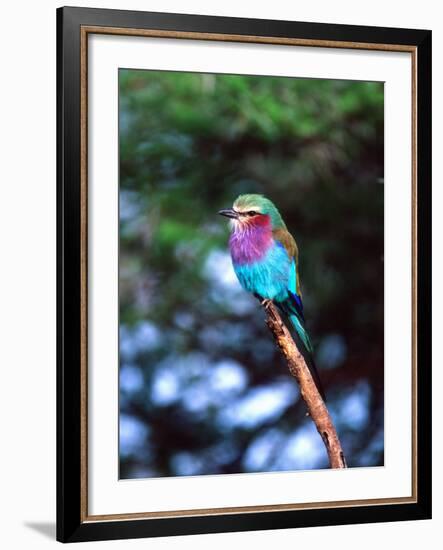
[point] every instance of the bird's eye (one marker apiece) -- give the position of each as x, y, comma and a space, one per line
252, 213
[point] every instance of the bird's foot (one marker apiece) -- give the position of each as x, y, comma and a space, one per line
266, 303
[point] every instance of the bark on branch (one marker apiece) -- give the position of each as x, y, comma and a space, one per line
314, 402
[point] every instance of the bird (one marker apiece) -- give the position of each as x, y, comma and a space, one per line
265, 259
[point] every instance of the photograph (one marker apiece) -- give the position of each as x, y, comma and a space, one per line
244, 274
221, 237
237, 192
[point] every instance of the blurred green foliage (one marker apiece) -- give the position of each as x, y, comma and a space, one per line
189, 144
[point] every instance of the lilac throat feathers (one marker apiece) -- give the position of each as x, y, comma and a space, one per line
250, 242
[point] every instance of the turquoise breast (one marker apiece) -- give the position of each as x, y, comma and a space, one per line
268, 277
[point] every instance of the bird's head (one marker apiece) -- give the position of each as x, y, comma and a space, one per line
253, 210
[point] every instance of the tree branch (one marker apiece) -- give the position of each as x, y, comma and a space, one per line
309, 392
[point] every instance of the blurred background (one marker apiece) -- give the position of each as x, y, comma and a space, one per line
203, 388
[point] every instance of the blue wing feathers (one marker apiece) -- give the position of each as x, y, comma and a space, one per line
295, 301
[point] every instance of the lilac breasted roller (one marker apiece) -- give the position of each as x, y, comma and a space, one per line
265, 259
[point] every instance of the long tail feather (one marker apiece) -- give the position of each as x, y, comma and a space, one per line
301, 337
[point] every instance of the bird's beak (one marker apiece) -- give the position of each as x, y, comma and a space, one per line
229, 213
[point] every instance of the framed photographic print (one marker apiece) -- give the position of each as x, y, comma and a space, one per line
244, 274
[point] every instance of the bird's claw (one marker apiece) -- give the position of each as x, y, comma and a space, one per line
266, 303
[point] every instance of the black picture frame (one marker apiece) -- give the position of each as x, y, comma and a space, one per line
71, 523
